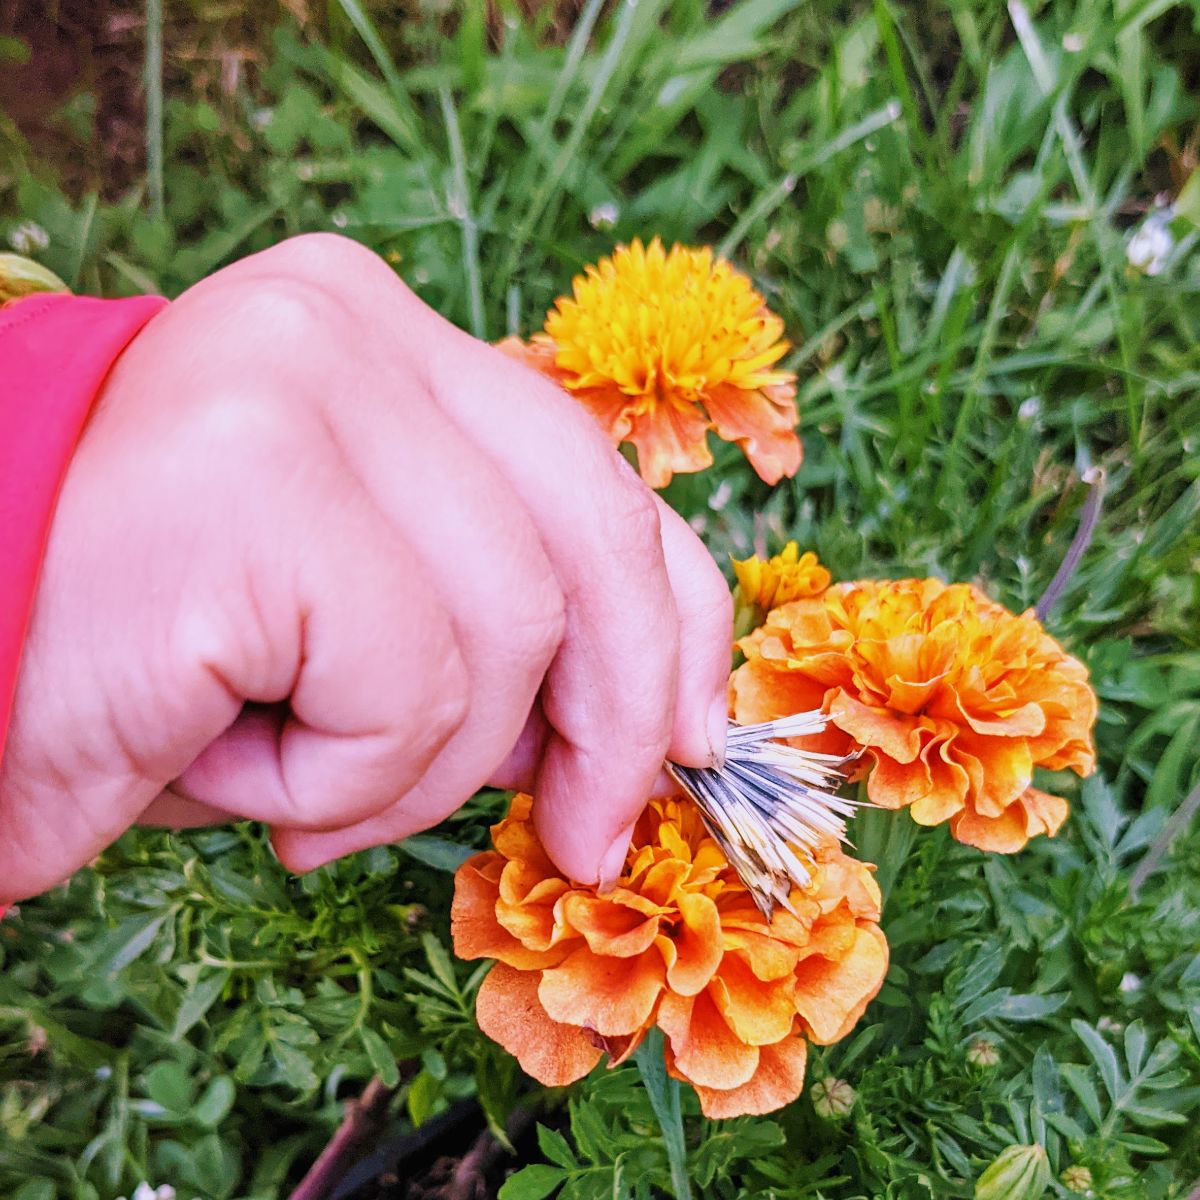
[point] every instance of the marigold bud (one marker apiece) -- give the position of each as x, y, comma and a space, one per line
983, 1053
20, 276
1017, 1173
1077, 1178
832, 1098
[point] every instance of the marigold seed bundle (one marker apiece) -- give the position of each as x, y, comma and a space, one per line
771, 805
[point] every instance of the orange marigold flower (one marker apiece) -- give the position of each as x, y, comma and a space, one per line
678, 943
662, 346
764, 584
954, 699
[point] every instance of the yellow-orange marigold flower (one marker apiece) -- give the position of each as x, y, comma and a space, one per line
954, 698
679, 944
662, 346
764, 584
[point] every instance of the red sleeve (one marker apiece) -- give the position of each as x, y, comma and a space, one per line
55, 352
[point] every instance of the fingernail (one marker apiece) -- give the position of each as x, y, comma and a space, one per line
718, 730
613, 863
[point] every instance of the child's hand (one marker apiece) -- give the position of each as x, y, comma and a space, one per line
325, 561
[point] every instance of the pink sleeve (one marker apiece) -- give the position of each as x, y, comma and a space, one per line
55, 352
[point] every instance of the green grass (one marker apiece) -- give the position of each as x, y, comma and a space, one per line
936, 198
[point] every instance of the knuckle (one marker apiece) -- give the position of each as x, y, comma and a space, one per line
539, 625
634, 515
336, 263
281, 309
447, 700
243, 424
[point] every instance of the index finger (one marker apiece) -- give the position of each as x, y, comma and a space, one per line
610, 694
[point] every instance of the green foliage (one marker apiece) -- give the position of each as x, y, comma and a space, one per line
937, 198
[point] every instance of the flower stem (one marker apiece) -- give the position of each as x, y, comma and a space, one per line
885, 838
1094, 478
663, 1092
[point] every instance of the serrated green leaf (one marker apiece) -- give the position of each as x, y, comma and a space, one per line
531, 1183
382, 1059
1103, 1056
554, 1147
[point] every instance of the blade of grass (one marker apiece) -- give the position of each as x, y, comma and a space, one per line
460, 208
154, 107
663, 1093
775, 196
544, 192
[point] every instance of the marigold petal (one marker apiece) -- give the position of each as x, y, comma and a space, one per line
830, 995
763, 423
694, 950
757, 1011
613, 996
1044, 813
473, 924
760, 693
1025, 721
1003, 834
778, 1080
948, 785
768, 957
1007, 770
508, 1011
669, 438
892, 784
608, 926
538, 353
661, 880
894, 734
706, 1051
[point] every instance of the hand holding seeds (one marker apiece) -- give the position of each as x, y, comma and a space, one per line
324, 561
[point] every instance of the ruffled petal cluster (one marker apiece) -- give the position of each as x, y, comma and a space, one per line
662, 346
678, 944
954, 699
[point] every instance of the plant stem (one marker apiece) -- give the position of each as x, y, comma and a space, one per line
154, 106
364, 1118
1177, 822
1094, 478
886, 839
663, 1092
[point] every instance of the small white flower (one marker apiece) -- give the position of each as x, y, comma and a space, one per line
604, 216
165, 1192
28, 238
339, 220
144, 1191
1107, 1025
1152, 243
261, 118
1130, 982
1030, 408
1072, 42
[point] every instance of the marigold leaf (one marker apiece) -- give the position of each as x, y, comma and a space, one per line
532, 1183
199, 998
382, 1059
1103, 1055
556, 1148
439, 853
